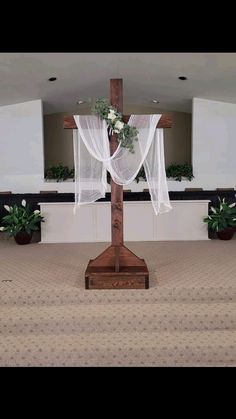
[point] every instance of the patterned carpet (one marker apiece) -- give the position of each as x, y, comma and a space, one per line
186, 318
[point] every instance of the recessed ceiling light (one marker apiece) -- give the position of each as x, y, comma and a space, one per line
182, 78
79, 102
155, 101
52, 79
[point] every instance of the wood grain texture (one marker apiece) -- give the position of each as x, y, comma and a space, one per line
108, 258
101, 273
116, 282
116, 95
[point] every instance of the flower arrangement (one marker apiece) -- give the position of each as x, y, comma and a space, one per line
126, 134
20, 219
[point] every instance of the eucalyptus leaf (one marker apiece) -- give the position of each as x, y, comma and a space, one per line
127, 134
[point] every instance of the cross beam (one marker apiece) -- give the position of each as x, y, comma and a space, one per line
164, 122
117, 267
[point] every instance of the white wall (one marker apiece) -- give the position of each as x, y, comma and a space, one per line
21, 147
22, 152
22, 156
58, 142
214, 144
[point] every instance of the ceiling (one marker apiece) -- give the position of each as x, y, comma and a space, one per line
146, 76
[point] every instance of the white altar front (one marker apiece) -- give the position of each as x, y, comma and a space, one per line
92, 222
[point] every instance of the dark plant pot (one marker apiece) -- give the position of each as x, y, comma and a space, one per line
226, 234
23, 238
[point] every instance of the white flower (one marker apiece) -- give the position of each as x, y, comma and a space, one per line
234, 219
36, 212
111, 111
2, 228
119, 125
23, 203
232, 205
7, 207
111, 116
221, 207
116, 131
213, 210
210, 218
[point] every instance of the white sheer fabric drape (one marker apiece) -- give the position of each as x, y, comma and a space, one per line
92, 159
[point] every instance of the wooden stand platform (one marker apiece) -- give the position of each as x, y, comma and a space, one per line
117, 268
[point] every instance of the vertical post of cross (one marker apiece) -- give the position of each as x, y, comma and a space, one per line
116, 98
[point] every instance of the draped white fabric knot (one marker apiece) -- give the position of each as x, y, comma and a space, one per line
92, 160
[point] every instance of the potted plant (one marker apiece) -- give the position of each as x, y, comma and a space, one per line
59, 173
222, 219
179, 171
21, 222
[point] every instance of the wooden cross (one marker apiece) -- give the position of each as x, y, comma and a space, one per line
117, 267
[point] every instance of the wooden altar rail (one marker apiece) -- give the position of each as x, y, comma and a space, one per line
164, 122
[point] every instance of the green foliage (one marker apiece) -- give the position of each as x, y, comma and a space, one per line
125, 133
221, 217
102, 108
177, 171
59, 172
21, 218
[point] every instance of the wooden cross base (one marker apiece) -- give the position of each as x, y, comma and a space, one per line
117, 268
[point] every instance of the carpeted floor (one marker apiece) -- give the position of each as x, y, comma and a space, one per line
186, 318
